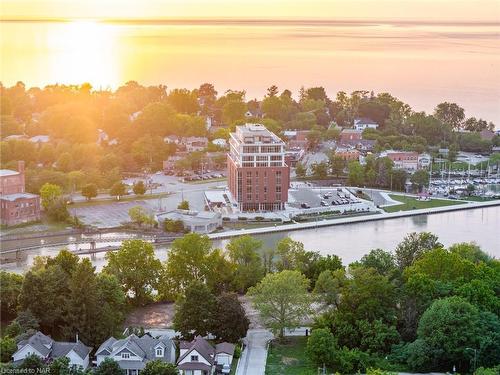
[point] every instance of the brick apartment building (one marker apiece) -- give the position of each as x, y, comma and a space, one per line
407, 160
258, 176
16, 206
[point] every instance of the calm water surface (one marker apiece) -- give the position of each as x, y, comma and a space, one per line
352, 241
421, 63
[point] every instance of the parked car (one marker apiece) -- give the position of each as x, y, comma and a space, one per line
304, 205
324, 203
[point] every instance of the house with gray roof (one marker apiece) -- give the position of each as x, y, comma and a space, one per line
44, 347
133, 352
199, 357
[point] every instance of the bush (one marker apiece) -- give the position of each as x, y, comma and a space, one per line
173, 226
242, 218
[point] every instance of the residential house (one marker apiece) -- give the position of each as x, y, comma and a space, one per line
47, 349
364, 123
424, 160
349, 135
193, 144
347, 154
132, 353
199, 357
407, 160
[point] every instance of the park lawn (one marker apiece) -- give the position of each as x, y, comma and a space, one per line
289, 358
411, 203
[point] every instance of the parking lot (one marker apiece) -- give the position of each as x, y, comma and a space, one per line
311, 198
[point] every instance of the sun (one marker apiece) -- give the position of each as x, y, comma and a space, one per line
83, 51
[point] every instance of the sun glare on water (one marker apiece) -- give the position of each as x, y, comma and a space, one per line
83, 51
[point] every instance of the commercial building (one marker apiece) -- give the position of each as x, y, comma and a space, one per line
258, 176
193, 221
17, 206
407, 160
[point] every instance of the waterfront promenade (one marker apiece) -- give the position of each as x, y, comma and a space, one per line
349, 220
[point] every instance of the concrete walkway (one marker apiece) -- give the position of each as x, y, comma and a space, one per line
254, 356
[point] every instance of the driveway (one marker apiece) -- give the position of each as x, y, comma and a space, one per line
253, 358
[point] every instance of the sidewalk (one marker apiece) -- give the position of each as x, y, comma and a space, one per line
254, 356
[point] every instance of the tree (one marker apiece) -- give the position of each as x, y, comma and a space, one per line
420, 179
188, 261
230, 323
50, 193
194, 311
11, 284
300, 170
139, 216
136, 268
447, 329
118, 189
355, 174
139, 188
321, 346
282, 300
7, 348
272, 91
337, 164
184, 205
33, 364
327, 288
173, 226
450, 114
320, 170
89, 191
413, 247
109, 367
380, 260
158, 367
244, 253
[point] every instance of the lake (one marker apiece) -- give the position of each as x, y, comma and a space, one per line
422, 63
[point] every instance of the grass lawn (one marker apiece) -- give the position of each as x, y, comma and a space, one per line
410, 203
289, 358
123, 198
477, 199
200, 182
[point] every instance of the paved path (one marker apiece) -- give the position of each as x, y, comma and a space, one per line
253, 358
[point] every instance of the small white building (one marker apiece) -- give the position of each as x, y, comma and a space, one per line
220, 142
47, 349
194, 221
363, 123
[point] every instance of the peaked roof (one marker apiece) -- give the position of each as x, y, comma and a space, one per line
224, 347
40, 342
45, 346
143, 347
203, 347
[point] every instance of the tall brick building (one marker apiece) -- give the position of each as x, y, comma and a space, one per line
16, 206
258, 176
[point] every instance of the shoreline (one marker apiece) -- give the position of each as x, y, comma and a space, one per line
353, 220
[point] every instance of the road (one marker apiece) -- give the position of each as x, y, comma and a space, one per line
253, 358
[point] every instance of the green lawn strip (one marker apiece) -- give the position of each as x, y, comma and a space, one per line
477, 199
199, 182
411, 203
289, 358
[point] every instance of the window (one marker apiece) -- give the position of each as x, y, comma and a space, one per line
194, 358
159, 352
125, 355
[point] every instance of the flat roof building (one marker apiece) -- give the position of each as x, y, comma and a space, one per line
258, 176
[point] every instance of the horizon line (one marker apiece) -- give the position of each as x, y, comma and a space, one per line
257, 21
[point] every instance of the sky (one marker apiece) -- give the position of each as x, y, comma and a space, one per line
432, 10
